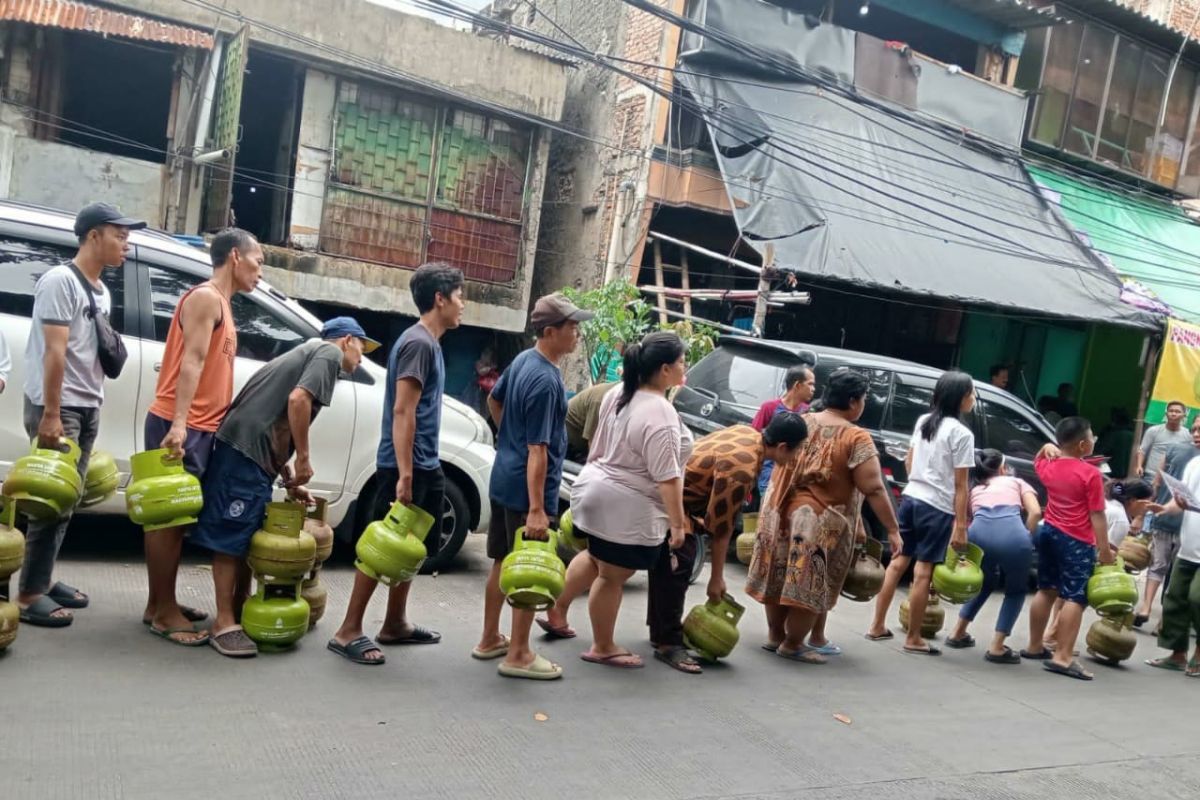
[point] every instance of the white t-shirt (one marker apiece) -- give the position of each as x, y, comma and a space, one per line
1189, 531
59, 299
933, 463
1118, 522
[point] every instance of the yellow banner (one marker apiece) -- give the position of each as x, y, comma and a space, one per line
1178, 376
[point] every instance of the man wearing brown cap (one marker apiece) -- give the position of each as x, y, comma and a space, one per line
529, 408
64, 388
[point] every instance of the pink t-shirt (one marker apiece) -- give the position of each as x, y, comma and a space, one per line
1003, 490
616, 495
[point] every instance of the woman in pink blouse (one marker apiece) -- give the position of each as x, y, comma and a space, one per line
998, 502
628, 499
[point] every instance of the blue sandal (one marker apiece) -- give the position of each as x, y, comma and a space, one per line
357, 650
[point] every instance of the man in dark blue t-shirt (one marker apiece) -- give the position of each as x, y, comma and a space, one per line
407, 464
529, 407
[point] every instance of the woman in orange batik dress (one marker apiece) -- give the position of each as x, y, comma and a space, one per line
810, 517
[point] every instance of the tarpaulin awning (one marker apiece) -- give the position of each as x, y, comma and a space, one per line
76, 16
1149, 241
857, 193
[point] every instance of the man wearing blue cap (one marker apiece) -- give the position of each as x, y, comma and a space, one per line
267, 422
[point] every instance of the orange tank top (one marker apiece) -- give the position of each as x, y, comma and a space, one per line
214, 392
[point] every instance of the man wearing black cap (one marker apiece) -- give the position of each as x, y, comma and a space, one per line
529, 407
64, 389
266, 424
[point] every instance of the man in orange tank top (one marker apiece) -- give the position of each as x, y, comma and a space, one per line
195, 388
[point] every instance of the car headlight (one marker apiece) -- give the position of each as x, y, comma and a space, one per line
483, 434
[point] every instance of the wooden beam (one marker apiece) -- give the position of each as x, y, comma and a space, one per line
685, 281
764, 289
705, 252
659, 283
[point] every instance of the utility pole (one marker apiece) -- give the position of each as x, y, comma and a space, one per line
764, 292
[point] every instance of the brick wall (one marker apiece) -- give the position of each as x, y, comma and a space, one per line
1183, 16
580, 208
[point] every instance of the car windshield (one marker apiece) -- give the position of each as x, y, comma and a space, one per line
744, 376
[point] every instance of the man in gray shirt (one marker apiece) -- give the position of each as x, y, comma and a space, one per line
1158, 439
64, 389
267, 422
1164, 528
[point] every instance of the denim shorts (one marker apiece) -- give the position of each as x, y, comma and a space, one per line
925, 530
1064, 563
236, 493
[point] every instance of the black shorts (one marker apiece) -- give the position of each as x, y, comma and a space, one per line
428, 493
197, 448
502, 532
629, 556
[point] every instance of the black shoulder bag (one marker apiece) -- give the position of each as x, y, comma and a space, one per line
110, 348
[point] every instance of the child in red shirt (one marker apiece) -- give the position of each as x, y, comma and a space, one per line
1073, 531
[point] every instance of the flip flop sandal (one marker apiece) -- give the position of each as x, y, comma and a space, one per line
540, 669
64, 595
565, 632
496, 652
887, 634
680, 659
632, 660
356, 650
805, 655
170, 633
1007, 657
771, 647
1076, 670
827, 649
928, 650
1140, 619
233, 643
39, 612
1169, 664
1044, 655
189, 613
961, 644
1193, 669
418, 635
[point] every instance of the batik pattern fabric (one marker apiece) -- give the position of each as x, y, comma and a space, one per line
809, 516
720, 475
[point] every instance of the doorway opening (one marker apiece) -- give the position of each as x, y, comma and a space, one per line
264, 169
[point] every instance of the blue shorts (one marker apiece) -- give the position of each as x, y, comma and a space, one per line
1064, 563
236, 493
197, 448
925, 530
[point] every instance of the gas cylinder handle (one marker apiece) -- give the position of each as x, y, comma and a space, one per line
65, 445
8, 512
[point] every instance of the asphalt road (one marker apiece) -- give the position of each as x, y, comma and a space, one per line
103, 710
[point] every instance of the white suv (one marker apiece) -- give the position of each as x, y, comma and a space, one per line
145, 292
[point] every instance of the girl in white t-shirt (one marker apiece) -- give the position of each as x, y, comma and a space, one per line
934, 512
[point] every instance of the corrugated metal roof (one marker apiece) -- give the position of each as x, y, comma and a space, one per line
1012, 13
76, 16
1135, 23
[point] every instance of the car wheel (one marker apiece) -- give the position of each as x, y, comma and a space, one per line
455, 525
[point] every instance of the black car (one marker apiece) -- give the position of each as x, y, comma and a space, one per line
727, 387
